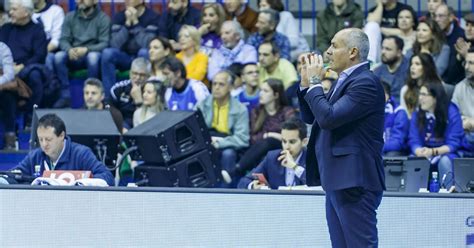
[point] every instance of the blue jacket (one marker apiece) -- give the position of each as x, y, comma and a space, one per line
273, 171
75, 157
347, 132
452, 135
395, 128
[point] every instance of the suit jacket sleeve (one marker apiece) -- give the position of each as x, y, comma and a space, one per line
356, 103
247, 179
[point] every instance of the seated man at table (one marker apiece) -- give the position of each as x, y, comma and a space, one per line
58, 152
282, 167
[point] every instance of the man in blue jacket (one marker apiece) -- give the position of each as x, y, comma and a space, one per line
346, 139
58, 152
283, 167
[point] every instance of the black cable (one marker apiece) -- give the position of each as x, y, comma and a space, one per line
124, 155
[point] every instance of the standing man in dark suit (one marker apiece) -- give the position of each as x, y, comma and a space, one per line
347, 138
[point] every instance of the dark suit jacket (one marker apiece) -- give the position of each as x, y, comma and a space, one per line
274, 172
347, 133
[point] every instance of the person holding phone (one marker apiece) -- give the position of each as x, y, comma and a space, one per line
282, 167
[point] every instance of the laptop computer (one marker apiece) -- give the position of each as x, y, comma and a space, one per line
406, 174
464, 174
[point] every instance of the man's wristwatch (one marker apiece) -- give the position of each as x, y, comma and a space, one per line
314, 80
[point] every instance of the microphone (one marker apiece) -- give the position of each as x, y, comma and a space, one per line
16, 176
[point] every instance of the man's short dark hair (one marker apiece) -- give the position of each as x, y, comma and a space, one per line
296, 124
274, 16
174, 65
398, 41
94, 82
52, 120
275, 48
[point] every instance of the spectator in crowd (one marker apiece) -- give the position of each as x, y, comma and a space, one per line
286, 166
85, 33
227, 120
249, 96
463, 97
153, 102
238, 10
132, 31
463, 44
436, 131
159, 49
407, 24
8, 98
268, 20
383, 15
3, 14
394, 69
271, 65
396, 126
287, 25
52, 18
94, 100
213, 15
28, 45
58, 152
180, 12
127, 95
194, 60
431, 40
233, 49
431, 6
452, 31
422, 71
385, 12
236, 70
337, 15
265, 127
182, 93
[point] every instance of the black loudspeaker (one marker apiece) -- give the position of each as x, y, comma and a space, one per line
197, 171
93, 128
168, 137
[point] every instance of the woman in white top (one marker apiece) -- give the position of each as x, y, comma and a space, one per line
153, 103
407, 23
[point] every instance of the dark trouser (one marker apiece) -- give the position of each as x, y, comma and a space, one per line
352, 218
255, 154
8, 101
34, 79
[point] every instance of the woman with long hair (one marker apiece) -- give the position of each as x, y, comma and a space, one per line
213, 15
422, 71
436, 131
194, 60
431, 39
406, 30
153, 102
265, 121
158, 50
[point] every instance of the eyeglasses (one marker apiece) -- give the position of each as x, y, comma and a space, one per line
441, 16
137, 74
423, 94
251, 72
